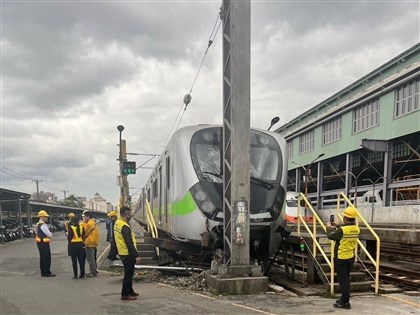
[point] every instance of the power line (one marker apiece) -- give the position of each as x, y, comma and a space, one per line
14, 174
187, 98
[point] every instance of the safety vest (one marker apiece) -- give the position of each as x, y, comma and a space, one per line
77, 234
40, 236
119, 240
348, 242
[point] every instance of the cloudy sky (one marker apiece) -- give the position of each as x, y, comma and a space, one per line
72, 71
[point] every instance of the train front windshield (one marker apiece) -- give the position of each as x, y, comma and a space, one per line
265, 173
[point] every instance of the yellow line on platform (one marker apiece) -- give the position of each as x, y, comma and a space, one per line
401, 300
103, 253
252, 309
212, 298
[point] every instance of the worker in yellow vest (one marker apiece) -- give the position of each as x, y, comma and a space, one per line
76, 247
43, 238
127, 250
66, 224
346, 241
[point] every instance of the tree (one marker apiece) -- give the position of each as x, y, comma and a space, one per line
72, 201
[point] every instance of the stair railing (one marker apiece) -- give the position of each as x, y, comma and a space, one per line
313, 235
151, 225
375, 262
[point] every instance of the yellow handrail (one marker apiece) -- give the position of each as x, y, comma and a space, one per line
151, 225
313, 236
376, 262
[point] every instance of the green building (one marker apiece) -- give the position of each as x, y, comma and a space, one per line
365, 141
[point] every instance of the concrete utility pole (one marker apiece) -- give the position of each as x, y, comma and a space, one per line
37, 187
236, 128
65, 197
234, 275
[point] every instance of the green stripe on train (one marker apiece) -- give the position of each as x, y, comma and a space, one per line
184, 206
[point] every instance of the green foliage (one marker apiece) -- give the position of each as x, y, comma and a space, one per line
72, 201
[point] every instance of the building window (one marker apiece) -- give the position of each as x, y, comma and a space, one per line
375, 157
306, 142
400, 150
366, 116
407, 98
290, 149
355, 161
331, 131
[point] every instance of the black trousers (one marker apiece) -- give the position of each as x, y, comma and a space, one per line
343, 268
78, 254
44, 258
112, 250
128, 262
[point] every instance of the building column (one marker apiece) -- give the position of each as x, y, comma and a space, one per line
319, 183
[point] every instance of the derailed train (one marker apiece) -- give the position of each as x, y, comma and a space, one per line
185, 191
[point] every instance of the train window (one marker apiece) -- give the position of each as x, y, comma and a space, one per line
206, 154
168, 173
155, 189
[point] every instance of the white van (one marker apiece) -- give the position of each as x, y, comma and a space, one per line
292, 208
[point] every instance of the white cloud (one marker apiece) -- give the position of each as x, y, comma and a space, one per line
72, 72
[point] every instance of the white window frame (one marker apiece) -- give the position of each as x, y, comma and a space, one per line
306, 142
290, 149
366, 116
407, 98
331, 131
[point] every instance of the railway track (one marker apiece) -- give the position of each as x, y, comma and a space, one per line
399, 275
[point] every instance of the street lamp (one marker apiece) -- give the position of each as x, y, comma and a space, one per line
120, 128
274, 121
373, 194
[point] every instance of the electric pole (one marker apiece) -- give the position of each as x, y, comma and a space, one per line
37, 181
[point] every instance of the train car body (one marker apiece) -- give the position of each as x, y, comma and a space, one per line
185, 189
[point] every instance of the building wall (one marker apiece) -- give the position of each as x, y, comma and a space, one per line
389, 127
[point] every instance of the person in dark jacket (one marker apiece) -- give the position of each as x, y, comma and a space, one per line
112, 255
76, 246
346, 241
43, 238
127, 250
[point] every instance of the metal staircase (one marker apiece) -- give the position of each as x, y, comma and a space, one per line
320, 255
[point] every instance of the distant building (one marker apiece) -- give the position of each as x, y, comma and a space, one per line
44, 197
98, 203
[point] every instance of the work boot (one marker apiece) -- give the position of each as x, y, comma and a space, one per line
340, 304
128, 298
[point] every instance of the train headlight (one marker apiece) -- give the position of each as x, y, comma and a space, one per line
208, 207
200, 195
203, 200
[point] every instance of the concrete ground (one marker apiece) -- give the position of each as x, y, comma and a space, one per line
24, 291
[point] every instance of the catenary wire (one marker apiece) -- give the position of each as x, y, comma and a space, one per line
212, 37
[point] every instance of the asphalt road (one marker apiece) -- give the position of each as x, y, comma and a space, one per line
24, 291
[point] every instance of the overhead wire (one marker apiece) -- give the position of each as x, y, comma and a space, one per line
184, 106
15, 174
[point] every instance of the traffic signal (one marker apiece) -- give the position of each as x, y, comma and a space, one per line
129, 168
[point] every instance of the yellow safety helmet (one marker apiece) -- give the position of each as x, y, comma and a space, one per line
112, 214
43, 213
350, 212
71, 215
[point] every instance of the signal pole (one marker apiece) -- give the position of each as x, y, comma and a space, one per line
123, 183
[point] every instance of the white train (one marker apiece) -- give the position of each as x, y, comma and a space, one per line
185, 191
